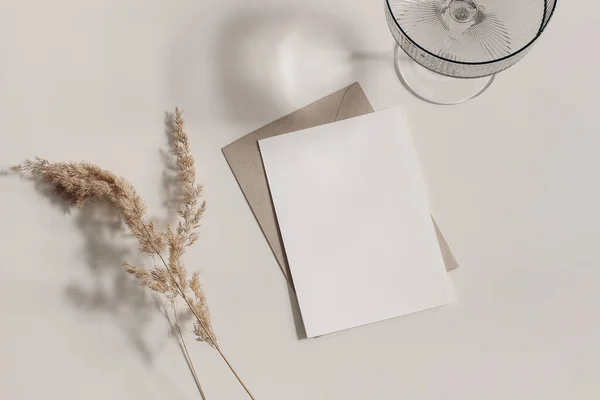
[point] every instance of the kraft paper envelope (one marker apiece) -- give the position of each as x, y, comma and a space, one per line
245, 161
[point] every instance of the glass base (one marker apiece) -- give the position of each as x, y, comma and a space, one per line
435, 88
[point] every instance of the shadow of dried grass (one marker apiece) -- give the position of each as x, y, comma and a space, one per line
109, 289
170, 189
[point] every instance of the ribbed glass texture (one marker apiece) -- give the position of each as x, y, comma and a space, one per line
467, 38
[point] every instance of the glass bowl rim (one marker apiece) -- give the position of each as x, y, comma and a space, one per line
543, 26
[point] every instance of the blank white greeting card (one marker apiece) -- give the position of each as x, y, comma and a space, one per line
355, 223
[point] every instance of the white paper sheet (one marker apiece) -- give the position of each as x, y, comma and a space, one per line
355, 223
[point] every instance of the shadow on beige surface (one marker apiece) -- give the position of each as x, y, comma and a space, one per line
270, 58
109, 289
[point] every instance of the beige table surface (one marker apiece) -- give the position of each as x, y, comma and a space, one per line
513, 180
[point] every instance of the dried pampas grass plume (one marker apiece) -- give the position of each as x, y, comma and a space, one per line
80, 183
